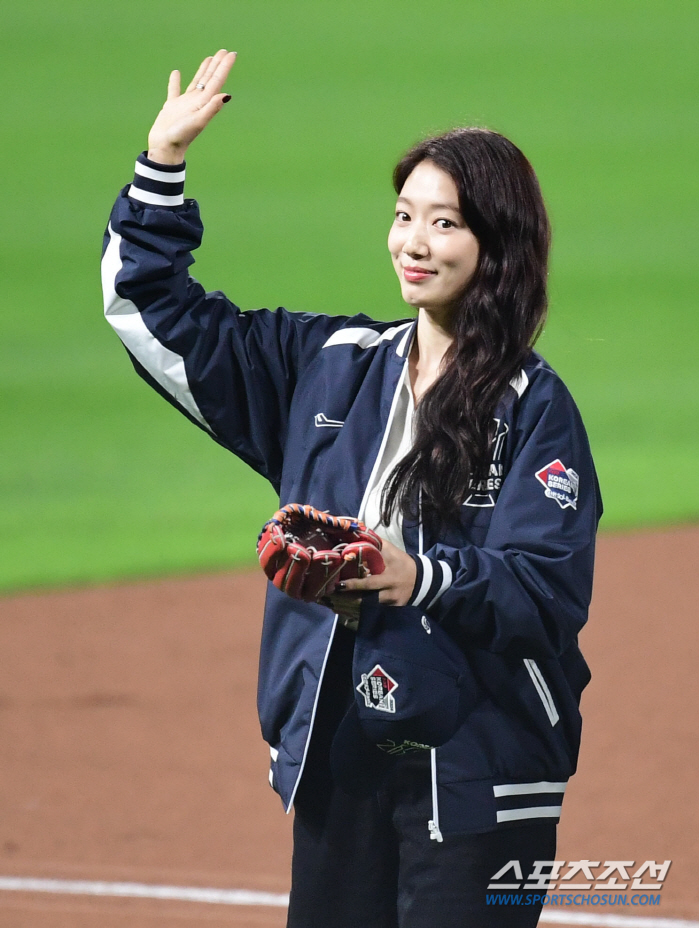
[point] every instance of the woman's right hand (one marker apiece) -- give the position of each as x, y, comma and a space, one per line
183, 116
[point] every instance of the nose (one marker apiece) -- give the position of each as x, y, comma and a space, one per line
415, 244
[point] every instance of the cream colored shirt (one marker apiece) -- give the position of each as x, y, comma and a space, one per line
398, 443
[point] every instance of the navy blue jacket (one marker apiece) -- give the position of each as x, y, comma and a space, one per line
306, 400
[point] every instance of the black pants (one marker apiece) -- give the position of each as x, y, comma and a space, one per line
370, 863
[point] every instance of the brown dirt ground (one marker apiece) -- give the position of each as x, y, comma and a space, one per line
130, 748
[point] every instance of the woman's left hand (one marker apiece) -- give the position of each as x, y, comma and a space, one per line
185, 115
395, 584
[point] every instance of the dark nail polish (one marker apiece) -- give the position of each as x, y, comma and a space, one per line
226, 98
341, 586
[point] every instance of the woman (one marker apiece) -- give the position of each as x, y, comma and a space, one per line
465, 451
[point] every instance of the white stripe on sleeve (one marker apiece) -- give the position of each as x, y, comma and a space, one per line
165, 366
447, 577
155, 199
164, 177
427, 575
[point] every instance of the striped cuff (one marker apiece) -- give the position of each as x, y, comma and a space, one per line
433, 579
158, 184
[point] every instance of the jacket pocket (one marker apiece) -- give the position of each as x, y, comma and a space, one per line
542, 689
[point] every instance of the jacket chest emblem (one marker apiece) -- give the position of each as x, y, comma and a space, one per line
483, 493
322, 422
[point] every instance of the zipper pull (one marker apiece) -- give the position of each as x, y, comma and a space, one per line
435, 833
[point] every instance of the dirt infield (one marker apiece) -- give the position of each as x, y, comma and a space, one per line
131, 749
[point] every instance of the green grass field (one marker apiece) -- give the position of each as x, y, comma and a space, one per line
101, 479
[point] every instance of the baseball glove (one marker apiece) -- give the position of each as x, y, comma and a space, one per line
305, 552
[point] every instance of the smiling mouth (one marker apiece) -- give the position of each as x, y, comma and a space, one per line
413, 274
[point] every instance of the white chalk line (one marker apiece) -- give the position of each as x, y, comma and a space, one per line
281, 900
612, 921
143, 891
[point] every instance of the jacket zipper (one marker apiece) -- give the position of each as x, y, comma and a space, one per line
313, 717
384, 440
360, 515
433, 824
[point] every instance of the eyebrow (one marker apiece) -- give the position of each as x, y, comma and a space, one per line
454, 209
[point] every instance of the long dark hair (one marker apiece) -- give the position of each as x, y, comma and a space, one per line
496, 321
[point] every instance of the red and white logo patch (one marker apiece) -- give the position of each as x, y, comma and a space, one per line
561, 483
377, 688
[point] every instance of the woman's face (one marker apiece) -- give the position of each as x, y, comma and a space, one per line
433, 250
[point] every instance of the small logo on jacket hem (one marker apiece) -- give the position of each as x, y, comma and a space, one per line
560, 483
377, 688
405, 747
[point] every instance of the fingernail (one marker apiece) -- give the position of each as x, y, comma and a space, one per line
341, 586
226, 98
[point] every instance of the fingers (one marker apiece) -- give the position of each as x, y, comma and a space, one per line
391, 589
212, 72
173, 85
209, 110
363, 586
350, 601
221, 69
201, 71
338, 602
212, 65
207, 70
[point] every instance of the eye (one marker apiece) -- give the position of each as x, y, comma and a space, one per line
402, 216
445, 224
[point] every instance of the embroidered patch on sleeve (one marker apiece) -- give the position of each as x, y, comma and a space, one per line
377, 688
560, 483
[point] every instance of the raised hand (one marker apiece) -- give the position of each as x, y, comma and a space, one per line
185, 115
